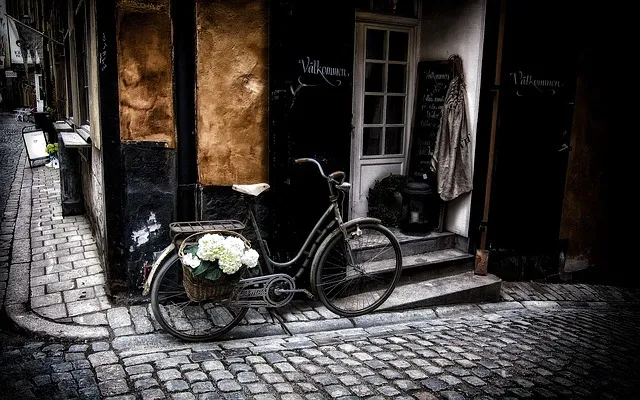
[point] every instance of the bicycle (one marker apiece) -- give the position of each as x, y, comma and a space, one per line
335, 251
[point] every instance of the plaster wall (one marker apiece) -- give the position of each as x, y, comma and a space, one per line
145, 83
231, 92
457, 27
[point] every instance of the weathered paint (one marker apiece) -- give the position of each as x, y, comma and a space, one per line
145, 71
141, 236
149, 179
231, 93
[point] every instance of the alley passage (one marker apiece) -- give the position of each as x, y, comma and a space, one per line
582, 353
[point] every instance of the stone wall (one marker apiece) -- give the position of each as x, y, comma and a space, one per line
93, 194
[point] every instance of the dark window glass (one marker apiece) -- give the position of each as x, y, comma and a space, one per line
373, 108
376, 44
393, 140
395, 109
371, 141
374, 77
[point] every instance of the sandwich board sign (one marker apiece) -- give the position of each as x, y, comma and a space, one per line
36, 145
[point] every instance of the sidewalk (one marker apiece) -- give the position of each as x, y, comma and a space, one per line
56, 282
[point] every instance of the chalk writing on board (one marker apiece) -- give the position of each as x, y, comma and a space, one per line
433, 81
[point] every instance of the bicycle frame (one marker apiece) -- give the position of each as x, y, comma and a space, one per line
322, 228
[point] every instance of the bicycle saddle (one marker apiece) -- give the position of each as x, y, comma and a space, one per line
253, 190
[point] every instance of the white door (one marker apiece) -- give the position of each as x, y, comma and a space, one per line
383, 101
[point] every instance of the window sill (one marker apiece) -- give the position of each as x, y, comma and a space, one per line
85, 132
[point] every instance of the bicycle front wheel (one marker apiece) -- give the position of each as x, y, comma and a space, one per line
357, 273
185, 319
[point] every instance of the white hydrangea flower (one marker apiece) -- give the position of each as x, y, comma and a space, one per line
250, 258
234, 245
229, 262
191, 260
209, 246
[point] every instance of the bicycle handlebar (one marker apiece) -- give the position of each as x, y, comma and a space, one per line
311, 160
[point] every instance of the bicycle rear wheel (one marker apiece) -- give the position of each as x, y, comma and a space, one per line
183, 318
355, 276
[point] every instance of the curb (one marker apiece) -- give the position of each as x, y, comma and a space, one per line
18, 290
32, 323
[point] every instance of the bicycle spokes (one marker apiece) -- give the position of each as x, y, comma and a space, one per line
359, 270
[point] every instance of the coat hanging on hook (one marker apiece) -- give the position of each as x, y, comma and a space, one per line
452, 153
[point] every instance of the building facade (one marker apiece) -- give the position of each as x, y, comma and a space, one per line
181, 100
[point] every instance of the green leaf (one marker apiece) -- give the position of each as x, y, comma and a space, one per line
191, 250
201, 269
213, 274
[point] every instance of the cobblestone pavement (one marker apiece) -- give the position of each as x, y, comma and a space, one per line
67, 280
541, 340
11, 149
581, 353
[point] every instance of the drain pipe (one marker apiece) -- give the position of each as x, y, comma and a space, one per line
183, 15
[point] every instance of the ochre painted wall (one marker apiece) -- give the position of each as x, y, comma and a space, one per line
231, 92
145, 71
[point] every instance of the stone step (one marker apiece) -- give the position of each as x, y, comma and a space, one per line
434, 241
465, 287
410, 245
428, 265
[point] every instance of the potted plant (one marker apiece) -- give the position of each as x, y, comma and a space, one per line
52, 150
385, 200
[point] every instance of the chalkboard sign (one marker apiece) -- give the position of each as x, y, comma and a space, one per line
433, 81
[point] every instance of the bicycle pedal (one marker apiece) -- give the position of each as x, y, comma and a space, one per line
305, 291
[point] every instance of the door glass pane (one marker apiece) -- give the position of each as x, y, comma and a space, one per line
376, 44
373, 107
374, 77
396, 78
393, 140
371, 141
398, 46
395, 109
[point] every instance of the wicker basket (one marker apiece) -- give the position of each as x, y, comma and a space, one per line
200, 289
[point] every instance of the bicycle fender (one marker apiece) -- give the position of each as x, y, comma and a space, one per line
165, 253
325, 242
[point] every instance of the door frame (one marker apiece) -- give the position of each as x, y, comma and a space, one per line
388, 22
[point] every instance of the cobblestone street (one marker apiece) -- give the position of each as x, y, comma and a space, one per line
542, 340
11, 148
579, 353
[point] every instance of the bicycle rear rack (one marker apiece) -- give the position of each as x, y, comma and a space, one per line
187, 228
